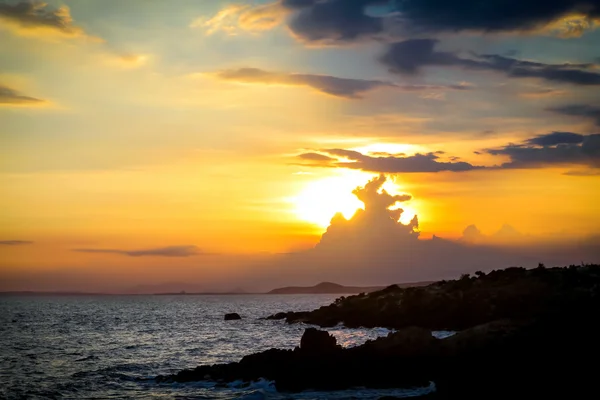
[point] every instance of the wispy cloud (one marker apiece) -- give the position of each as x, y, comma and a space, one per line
242, 17
170, 251
385, 163
11, 97
587, 111
15, 242
332, 85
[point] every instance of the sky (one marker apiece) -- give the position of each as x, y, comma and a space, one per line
200, 143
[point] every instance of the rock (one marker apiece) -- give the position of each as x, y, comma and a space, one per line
512, 293
279, 315
406, 342
314, 340
232, 316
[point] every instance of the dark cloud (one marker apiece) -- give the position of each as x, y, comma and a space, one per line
14, 242
342, 21
396, 163
556, 138
171, 251
332, 85
335, 21
410, 56
556, 148
315, 157
491, 15
296, 4
37, 14
579, 110
10, 96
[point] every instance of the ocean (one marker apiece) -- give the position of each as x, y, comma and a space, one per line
112, 347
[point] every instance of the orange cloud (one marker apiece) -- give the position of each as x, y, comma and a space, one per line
243, 17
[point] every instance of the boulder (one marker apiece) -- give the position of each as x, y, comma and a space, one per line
406, 342
232, 316
316, 341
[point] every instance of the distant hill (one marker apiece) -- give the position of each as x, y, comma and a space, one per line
334, 288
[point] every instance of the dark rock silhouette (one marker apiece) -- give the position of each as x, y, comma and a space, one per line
530, 332
314, 340
232, 316
458, 304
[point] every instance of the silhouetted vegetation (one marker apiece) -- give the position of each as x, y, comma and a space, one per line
514, 293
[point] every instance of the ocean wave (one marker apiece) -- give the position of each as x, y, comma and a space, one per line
263, 389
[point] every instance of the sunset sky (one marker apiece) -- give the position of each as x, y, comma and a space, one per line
152, 141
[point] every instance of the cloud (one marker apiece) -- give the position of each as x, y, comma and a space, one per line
377, 218
243, 17
391, 163
38, 18
171, 251
335, 21
556, 148
579, 110
126, 60
373, 247
506, 234
410, 56
14, 242
331, 85
556, 138
499, 16
541, 93
315, 157
346, 21
10, 97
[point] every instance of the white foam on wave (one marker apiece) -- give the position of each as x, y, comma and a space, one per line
263, 389
442, 334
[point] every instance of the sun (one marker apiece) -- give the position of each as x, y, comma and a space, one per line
320, 200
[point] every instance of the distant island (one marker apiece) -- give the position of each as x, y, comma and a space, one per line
321, 288
334, 288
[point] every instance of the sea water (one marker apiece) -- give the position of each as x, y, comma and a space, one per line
112, 347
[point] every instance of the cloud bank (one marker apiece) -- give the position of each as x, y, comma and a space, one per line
409, 57
348, 21
551, 149
429, 162
556, 148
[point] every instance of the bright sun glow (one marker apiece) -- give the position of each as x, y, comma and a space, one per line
320, 200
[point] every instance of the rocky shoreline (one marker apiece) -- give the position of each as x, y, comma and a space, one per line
521, 333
